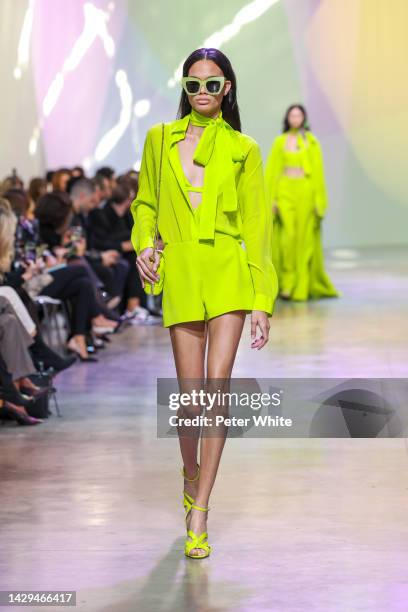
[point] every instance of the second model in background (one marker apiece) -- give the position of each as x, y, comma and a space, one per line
296, 189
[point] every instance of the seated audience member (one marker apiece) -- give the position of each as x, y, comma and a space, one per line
111, 229
67, 282
104, 189
19, 201
36, 189
108, 265
54, 212
84, 198
108, 173
14, 342
11, 182
27, 225
48, 179
24, 307
60, 179
9, 391
77, 172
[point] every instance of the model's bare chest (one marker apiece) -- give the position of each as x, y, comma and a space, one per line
193, 172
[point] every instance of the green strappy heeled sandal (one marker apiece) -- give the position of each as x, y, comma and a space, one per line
197, 541
188, 501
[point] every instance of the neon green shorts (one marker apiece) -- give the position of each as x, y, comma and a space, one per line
205, 279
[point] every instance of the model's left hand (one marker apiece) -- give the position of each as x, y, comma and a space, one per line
259, 319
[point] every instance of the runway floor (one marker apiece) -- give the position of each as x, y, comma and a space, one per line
91, 502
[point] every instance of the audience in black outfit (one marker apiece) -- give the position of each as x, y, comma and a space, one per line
111, 228
68, 237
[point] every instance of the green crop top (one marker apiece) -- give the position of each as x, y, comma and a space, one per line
187, 184
293, 158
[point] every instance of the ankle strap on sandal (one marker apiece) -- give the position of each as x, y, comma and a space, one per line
183, 473
200, 508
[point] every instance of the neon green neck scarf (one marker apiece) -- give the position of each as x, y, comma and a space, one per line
302, 144
214, 151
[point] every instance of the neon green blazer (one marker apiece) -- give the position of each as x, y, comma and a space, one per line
312, 162
250, 223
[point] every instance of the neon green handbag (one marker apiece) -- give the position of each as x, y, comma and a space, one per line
157, 288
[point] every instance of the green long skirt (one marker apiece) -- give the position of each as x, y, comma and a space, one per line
297, 252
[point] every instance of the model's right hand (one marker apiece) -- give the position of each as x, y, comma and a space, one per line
275, 209
259, 319
147, 263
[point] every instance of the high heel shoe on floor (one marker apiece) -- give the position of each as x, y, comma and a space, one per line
35, 393
21, 418
99, 330
72, 348
14, 396
105, 338
121, 324
88, 359
106, 329
98, 343
188, 501
195, 541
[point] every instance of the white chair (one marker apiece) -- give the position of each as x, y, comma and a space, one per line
49, 308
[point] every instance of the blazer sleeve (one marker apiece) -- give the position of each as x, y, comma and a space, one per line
144, 206
273, 171
319, 183
257, 231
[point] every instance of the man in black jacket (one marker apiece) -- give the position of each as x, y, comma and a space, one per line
109, 266
111, 227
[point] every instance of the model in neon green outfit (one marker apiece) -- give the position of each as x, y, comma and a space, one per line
296, 192
216, 228
203, 251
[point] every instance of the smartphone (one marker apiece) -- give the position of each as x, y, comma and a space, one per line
77, 233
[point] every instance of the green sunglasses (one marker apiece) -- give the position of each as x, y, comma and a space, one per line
212, 85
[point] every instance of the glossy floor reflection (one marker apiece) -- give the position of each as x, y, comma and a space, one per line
92, 501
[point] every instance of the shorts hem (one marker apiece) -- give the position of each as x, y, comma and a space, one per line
183, 320
228, 309
208, 316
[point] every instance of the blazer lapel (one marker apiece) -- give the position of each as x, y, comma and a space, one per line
178, 130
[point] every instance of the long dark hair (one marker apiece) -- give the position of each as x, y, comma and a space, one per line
305, 124
229, 106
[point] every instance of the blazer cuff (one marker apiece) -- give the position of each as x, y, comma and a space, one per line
145, 244
321, 209
263, 302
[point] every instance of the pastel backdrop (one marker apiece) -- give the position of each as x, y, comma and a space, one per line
83, 81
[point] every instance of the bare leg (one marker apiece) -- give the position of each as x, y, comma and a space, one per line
102, 321
78, 344
224, 333
188, 342
132, 303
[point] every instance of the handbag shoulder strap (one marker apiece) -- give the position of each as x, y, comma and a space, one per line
158, 186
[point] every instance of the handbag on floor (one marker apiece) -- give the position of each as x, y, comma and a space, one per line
40, 407
157, 288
